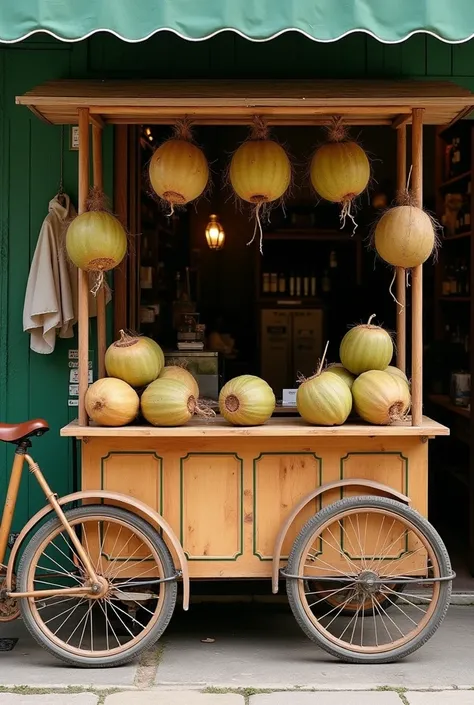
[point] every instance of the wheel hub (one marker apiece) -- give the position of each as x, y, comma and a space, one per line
98, 589
368, 582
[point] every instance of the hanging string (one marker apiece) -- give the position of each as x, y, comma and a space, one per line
409, 178
401, 306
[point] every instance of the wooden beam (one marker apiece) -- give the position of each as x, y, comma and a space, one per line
101, 307
83, 277
417, 276
401, 274
121, 210
401, 120
40, 115
97, 121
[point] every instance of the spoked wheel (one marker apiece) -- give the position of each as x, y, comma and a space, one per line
136, 574
366, 549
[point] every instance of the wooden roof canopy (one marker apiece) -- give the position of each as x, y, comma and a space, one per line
210, 102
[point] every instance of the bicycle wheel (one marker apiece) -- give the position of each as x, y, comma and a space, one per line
133, 608
369, 546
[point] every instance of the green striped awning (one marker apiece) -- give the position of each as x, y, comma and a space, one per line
389, 21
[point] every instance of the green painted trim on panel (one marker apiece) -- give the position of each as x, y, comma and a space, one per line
131, 452
181, 503
255, 461
405, 490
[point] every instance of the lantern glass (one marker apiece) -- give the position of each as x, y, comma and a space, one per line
215, 235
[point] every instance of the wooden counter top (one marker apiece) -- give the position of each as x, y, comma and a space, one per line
275, 427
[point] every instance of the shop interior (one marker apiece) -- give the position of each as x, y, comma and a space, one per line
218, 306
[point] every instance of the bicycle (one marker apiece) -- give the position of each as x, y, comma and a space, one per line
78, 595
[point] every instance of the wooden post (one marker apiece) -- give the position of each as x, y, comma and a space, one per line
83, 277
121, 210
401, 274
417, 276
101, 312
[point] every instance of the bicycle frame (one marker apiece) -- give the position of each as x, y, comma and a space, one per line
7, 519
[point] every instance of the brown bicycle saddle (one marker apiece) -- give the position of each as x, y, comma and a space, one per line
12, 432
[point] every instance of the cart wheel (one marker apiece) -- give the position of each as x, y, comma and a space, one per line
347, 598
136, 569
370, 546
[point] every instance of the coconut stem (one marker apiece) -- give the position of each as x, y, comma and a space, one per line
337, 130
125, 340
370, 319
96, 200
182, 130
259, 128
321, 363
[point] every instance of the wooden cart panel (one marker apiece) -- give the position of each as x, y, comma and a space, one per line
227, 498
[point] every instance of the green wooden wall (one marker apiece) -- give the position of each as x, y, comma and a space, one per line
34, 385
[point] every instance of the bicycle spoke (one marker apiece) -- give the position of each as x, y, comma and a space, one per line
74, 609
120, 618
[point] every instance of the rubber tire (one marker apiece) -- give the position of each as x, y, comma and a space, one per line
170, 588
438, 548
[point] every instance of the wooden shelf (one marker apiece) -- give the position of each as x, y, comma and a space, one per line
274, 428
458, 236
456, 179
445, 402
458, 299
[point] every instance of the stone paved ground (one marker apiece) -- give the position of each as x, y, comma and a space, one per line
192, 697
255, 648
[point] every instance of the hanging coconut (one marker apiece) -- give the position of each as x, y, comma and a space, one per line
135, 359
366, 347
95, 240
260, 172
246, 400
405, 236
178, 169
340, 170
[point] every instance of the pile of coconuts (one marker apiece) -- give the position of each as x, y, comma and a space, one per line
364, 381
139, 382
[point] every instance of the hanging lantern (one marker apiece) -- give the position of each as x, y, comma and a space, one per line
215, 234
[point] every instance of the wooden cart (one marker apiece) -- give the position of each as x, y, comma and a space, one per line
330, 510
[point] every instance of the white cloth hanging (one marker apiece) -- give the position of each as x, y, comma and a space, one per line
50, 306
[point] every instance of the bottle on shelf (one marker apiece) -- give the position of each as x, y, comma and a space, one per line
298, 285
281, 283
306, 285
273, 283
292, 284
266, 283
312, 283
